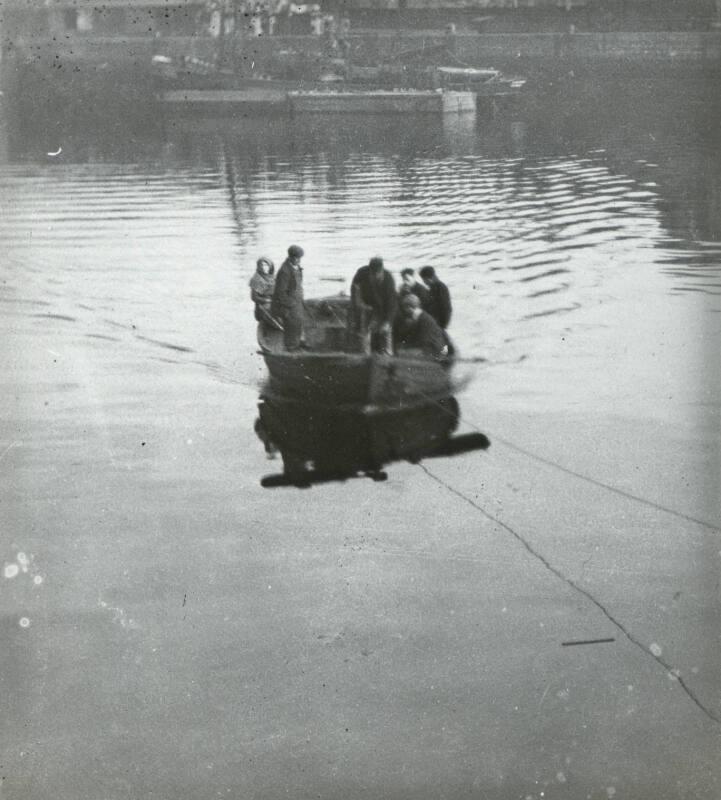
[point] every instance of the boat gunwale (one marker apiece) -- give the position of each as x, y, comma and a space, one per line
357, 358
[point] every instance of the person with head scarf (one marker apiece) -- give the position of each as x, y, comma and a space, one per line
261, 288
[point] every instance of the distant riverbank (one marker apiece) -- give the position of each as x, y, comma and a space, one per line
538, 51
88, 72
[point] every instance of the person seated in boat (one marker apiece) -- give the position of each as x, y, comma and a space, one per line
261, 290
409, 285
421, 331
287, 304
439, 300
374, 304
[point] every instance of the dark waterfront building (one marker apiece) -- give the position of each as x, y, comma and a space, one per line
110, 18
151, 18
501, 16
274, 37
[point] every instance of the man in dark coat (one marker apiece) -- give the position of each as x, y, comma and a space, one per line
410, 285
287, 303
373, 307
421, 331
439, 303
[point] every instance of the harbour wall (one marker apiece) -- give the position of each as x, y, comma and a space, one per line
502, 49
37, 71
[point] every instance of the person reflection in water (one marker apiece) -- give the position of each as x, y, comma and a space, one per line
287, 303
261, 290
421, 331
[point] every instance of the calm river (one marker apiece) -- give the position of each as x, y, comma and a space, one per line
173, 630
580, 234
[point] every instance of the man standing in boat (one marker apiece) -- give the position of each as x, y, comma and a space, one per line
439, 301
373, 307
287, 303
410, 285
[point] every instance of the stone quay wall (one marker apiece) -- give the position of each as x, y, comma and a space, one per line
534, 51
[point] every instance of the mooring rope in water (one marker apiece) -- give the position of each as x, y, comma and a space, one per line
574, 473
587, 478
670, 670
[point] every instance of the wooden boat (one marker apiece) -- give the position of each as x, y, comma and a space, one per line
483, 82
194, 85
325, 373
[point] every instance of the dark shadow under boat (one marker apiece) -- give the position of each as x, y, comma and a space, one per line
320, 443
340, 442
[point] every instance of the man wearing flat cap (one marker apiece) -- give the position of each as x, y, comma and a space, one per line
287, 303
374, 303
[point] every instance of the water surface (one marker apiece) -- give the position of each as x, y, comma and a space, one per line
580, 233
398, 640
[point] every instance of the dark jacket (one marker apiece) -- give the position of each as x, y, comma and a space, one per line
288, 292
419, 290
439, 303
379, 295
424, 334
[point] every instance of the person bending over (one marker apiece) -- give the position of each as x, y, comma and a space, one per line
421, 331
373, 308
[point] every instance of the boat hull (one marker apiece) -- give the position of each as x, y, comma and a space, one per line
224, 99
328, 373
355, 379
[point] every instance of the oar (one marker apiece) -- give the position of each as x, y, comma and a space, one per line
272, 318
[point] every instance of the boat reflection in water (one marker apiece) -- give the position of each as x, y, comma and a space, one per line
323, 444
333, 412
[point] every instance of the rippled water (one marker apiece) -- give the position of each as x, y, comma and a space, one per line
580, 235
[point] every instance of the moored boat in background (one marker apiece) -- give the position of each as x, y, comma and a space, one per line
338, 87
483, 82
381, 101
